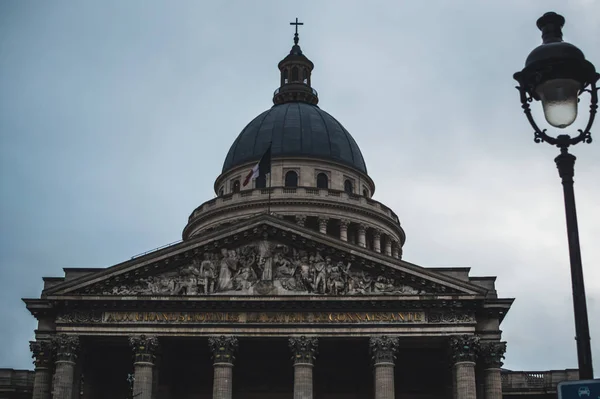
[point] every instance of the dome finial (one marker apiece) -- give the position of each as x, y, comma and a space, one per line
296, 38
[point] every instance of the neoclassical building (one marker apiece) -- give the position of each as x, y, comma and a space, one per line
292, 286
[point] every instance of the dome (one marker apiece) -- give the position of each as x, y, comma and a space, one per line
295, 129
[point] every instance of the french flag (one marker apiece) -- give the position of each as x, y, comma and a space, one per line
261, 168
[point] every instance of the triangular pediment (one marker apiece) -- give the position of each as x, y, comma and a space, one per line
264, 256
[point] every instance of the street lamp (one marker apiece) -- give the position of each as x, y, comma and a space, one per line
557, 73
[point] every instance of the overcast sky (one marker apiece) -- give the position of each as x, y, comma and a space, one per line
115, 119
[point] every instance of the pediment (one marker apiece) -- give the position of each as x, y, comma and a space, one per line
264, 256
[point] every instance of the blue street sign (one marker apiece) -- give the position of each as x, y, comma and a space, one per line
588, 389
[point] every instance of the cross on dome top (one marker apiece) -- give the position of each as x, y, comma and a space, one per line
296, 39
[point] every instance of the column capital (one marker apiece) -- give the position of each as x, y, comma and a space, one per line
65, 347
491, 354
300, 220
377, 233
383, 349
144, 348
344, 223
304, 349
464, 348
41, 353
362, 228
223, 348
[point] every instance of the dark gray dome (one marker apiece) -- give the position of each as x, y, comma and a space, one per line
295, 129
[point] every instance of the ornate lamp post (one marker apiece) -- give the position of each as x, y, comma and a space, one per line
557, 73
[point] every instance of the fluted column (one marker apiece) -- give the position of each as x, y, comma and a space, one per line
464, 350
377, 240
144, 348
362, 235
66, 349
323, 221
344, 229
383, 354
491, 356
300, 220
223, 349
42, 382
304, 351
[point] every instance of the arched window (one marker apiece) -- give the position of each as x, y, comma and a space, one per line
291, 179
304, 75
295, 74
221, 191
261, 182
236, 186
284, 77
348, 187
365, 192
322, 181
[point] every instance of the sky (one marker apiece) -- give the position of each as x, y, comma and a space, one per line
115, 119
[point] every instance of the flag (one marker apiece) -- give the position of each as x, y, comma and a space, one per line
261, 168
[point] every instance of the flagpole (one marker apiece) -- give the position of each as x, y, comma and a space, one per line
270, 173
269, 200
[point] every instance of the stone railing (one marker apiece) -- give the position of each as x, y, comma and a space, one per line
540, 381
16, 380
291, 193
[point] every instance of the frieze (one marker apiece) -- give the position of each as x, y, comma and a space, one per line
261, 317
451, 317
265, 267
209, 317
78, 317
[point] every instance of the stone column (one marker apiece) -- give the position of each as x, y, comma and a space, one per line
300, 220
144, 348
362, 235
66, 348
377, 240
344, 229
464, 350
491, 356
388, 246
304, 351
383, 354
42, 382
395, 246
223, 349
323, 221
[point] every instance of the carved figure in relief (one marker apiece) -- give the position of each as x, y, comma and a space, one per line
306, 279
207, 274
265, 251
225, 283
364, 283
246, 274
320, 271
335, 281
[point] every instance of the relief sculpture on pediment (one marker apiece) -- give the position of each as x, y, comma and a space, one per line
266, 267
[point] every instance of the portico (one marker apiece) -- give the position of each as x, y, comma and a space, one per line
250, 367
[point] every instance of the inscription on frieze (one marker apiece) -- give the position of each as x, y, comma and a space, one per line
261, 317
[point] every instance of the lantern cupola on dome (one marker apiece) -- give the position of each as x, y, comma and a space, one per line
295, 69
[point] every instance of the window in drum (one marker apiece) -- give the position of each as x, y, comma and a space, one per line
322, 180
291, 179
348, 187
